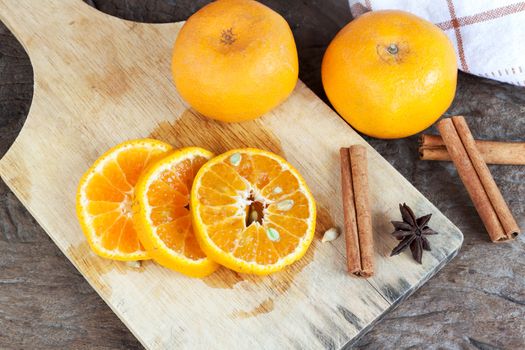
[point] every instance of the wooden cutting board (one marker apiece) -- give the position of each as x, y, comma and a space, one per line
100, 80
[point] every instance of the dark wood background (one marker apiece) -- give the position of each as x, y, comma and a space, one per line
476, 302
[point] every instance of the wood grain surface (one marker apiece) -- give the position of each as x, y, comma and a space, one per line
19, 230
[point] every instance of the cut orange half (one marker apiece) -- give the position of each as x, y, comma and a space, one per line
161, 212
252, 211
105, 195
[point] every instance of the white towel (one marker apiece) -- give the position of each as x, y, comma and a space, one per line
489, 35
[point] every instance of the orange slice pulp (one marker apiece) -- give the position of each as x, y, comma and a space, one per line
252, 211
105, 194
161, 212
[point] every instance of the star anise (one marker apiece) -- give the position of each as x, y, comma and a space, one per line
411, 232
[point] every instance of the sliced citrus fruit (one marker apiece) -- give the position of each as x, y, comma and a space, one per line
161, 212
252, 211
105, 195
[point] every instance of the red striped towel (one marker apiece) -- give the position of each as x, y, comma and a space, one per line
488, 35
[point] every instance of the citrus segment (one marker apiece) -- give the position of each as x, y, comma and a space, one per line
252, 211
105, 194
161, 212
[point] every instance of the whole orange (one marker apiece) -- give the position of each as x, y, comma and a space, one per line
235, 60
390, 74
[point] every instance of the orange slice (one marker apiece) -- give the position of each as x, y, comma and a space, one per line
105, 194
161, 212
252, 211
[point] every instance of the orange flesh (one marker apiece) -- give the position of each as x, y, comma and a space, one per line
225, 193
168, 196
109, 194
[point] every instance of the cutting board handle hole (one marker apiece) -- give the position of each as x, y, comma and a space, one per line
19, 83
172, 10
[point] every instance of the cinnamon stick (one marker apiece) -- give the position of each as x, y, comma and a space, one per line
432, 147
356, 207
475, 175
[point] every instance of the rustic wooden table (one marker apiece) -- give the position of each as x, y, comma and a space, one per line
476, 302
